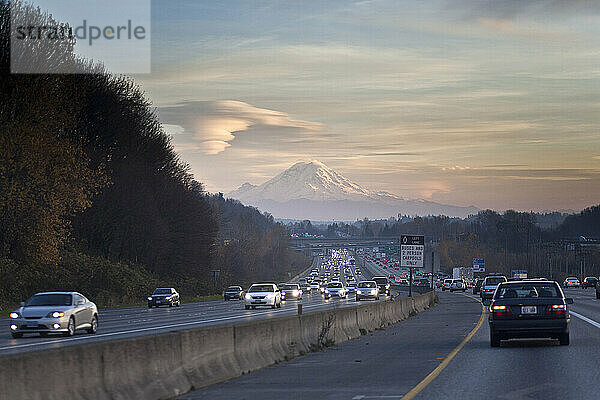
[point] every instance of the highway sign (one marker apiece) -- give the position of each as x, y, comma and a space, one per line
519, 273
412, 248
479, 265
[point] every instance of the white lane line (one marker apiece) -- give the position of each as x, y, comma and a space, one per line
153, 328
586, 319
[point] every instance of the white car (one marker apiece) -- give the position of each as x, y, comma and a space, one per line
262, 294
571, 282
447, 284
367, 290
458, 284
335, 289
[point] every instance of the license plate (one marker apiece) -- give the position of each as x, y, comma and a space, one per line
529, 310
32, 325
258, 302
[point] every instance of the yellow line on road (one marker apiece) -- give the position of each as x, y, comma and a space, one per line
429, 378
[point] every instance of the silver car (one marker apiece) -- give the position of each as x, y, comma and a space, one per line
54, 312
367, 290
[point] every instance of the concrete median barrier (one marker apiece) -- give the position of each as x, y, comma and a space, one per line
166, 365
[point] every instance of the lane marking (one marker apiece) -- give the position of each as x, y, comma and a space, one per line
152, 328
584, 318
433, 374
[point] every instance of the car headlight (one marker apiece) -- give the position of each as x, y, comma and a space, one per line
168, 298
387, 286
248, 297
13, 315
55, 314
373, 291
150, 298
295, 293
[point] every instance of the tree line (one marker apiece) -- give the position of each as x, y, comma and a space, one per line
546, 244
94, 197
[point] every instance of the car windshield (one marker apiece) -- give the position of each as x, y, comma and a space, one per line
291, 287
527, 290
49, 300
367, 285
162, 291
233, 289
261, 288
334, 285
494, 281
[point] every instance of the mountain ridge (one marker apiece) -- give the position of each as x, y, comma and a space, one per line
312, 190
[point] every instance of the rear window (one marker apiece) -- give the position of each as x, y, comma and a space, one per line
233, 288
495, 280
381, 281
527, 290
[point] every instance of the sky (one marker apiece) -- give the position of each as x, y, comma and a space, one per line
488, 103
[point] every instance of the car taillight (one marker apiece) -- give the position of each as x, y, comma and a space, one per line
557, 309
500, 310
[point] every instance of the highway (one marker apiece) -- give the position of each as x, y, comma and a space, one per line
119, 323
433, 356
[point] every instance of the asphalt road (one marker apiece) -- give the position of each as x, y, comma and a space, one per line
389, 364
127, 322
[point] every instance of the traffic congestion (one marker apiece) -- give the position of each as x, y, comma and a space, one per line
517, 307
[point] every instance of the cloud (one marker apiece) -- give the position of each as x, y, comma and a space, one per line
210, 126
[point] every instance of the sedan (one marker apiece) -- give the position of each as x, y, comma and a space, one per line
233, 293
291, 291
164, 297
335, 289
262, 294
571, 282
529, 309
367, 290
54, 312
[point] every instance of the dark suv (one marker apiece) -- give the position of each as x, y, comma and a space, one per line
164, 297
233, 292
383, 284
598, 290
589, 281
477, 285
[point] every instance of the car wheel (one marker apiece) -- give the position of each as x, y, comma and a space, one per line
70, 327
170, 304
16, 335
179, 303
357, 298
94, 325
494, 339
247, 307
564, 339
225, 298
149, 306
279, 305
274, 305
597, 295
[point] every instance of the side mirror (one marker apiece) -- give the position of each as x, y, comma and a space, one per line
487, 302
22, 304
569, 300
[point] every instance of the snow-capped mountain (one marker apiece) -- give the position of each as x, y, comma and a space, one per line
311, 190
